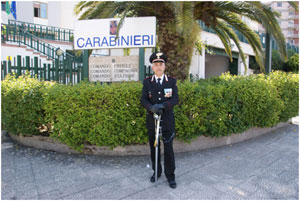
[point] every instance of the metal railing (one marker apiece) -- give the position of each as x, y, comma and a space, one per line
64, 71
148, 71
43, 31
16, 34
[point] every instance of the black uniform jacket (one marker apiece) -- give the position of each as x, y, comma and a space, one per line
167, 94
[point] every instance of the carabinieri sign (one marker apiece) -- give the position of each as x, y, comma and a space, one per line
101, 33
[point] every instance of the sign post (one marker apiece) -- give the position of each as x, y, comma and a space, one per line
136, 32
114, 68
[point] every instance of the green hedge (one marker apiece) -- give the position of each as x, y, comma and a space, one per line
111, 115
22, 103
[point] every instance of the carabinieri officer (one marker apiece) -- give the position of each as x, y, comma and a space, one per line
160, 95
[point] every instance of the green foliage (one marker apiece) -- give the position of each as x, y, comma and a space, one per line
277, 62
22, 100
111, 115
287, 87
292, 65
104, 115
291, 52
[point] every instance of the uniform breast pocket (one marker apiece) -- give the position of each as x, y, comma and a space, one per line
149, 94
168, 92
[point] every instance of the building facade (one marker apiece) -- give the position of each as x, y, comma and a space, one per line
288, 21
59, 14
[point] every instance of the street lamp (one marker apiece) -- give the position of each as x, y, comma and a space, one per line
59, 52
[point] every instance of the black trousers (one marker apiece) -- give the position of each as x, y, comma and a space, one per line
169, 159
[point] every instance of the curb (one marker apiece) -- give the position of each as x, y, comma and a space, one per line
200, 143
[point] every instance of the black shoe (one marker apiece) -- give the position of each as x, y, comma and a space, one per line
172, 184
152, 179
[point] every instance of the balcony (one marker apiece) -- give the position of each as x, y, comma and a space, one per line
293, 26
293, 17
292, 35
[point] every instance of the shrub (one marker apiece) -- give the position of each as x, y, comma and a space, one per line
287, 87
104, 115
292, 65
277, 62
111, 115
22, 101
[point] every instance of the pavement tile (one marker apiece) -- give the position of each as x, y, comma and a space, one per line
51, 195
266, 167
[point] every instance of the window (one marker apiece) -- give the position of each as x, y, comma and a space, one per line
291, 13
279, 4
43, 10
40, 10
36, 11
3, 5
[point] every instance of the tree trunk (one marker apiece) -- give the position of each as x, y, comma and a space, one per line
178, 49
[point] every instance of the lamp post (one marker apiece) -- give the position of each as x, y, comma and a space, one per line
58, 53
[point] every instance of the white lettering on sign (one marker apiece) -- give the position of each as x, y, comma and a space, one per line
101, 33
114, 68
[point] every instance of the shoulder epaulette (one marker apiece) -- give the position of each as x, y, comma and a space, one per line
171, 77
147, 77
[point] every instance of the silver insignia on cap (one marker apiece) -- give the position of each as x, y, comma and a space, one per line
159, 54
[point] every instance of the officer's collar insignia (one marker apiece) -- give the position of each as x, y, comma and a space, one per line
159, 55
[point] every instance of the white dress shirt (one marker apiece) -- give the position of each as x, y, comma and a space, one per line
161, 78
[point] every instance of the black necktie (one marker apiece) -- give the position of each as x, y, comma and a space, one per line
158, 82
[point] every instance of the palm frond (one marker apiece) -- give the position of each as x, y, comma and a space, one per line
260, 13
265, 16
105, 9
224, 37
123, 16
82, 5
252, 37
184, 15
294, 5
235, 39
85, 14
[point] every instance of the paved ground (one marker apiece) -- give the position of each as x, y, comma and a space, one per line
266, 167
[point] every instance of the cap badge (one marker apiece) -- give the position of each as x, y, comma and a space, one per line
159, 54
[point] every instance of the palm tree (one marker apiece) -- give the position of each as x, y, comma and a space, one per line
178, 29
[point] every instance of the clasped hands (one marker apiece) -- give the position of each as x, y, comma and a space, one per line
157, 108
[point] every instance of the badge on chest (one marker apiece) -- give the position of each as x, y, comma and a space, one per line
168, 92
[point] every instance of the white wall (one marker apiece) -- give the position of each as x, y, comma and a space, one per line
215, 65
54, 13
68, 17
14, 51
241, 67
25, 11
213, 40
252, 24
197, 67
60, 13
